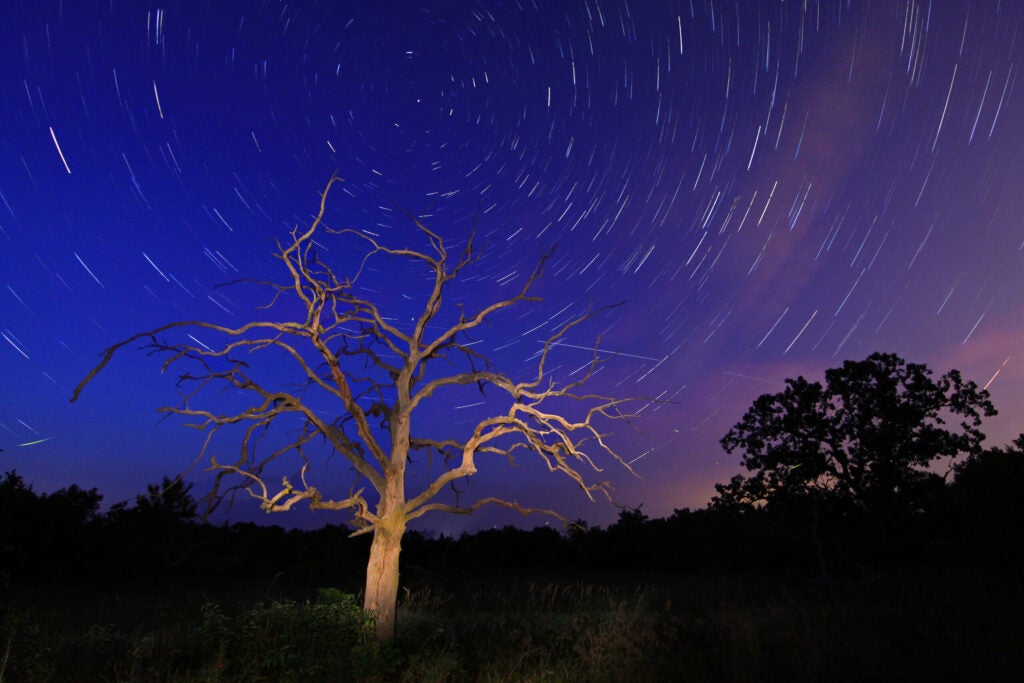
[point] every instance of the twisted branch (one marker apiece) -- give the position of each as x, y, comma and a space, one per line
337, 331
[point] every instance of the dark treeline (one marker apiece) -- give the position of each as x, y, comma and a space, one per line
971, 521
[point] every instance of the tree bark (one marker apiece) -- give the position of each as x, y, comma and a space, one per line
382, 576
382, 570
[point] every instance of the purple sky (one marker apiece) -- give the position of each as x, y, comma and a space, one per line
772, 187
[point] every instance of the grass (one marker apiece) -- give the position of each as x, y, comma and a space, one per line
922, 626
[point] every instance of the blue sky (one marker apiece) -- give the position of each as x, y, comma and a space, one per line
770, 187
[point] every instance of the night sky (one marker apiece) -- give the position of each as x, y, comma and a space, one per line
771, 187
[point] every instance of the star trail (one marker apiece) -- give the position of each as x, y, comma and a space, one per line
769, 187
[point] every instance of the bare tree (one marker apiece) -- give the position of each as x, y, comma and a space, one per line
344, 347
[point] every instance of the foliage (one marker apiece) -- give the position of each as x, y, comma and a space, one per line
974, 520
861, 441
922, 626
704, 595
988, 506
990, 483
61, 520
170, 500
280, 640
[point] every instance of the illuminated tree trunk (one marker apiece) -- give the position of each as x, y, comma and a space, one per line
382, 575
382, 570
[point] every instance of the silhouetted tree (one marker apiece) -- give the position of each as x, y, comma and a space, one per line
155, 528
373, 372
861, 440
45, 536
987, 490
716, 541
990, 483
14, 493
171, 499
18, 508
625, 542
630, 519
73, 506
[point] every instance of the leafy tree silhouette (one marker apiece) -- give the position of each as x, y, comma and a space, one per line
990, 482
626, 541
18, 507
45, 535
854, 451
861, 441
157, 527
989, 506
170, 500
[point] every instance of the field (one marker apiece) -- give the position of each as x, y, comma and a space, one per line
921, 626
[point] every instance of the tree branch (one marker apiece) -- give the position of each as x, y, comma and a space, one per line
336, 326
511, 505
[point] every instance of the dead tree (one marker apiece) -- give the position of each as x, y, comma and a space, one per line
375, 372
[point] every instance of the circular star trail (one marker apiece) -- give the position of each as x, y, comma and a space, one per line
767, 187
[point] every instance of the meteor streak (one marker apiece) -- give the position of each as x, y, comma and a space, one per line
614, 353
33, 443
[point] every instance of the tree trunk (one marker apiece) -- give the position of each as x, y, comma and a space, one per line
382, 576
382, 570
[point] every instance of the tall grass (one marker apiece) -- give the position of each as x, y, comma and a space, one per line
916, 627
543, 631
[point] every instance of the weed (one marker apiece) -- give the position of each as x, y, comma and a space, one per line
679, 629
6, 657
